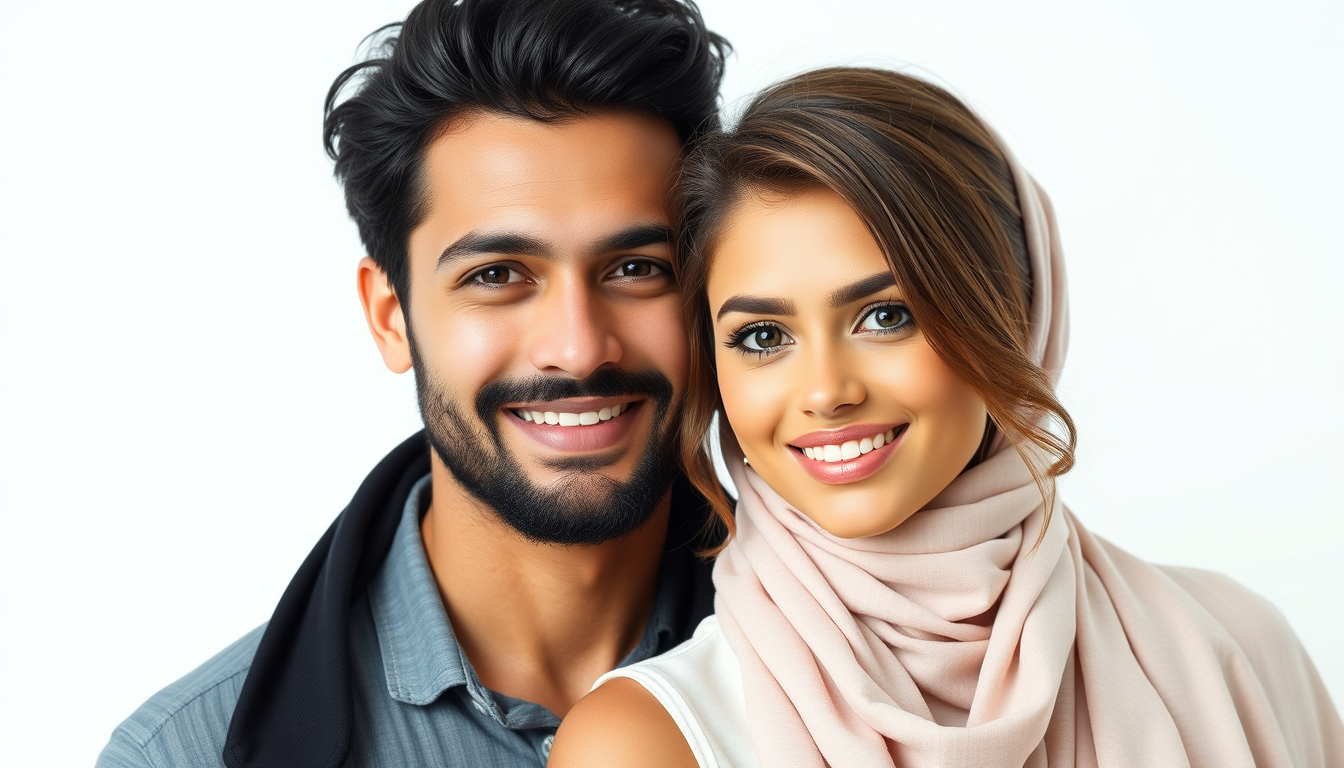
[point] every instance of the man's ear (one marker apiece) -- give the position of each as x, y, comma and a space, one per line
387, 321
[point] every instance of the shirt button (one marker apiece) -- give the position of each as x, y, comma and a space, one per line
546, 745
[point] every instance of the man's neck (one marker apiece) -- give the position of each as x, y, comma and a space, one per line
538, 622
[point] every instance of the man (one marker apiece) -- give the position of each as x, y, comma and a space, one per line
507, 162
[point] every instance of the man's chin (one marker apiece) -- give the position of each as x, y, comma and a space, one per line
580, 509
617, 466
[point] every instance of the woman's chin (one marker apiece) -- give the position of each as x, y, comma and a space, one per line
853, 515
855, 510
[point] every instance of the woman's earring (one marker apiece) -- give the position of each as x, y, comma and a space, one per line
744, 461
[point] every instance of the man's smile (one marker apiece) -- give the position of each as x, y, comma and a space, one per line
567, 415
578, 425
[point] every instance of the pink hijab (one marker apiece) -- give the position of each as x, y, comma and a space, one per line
857, 652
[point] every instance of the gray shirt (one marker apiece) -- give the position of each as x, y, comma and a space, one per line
418, 701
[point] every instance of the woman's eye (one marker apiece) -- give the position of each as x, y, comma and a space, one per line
887, 317
637, 268
761, 339
496, 275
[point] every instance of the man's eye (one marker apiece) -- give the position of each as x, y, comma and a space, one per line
886, 317
496, 275
637, 268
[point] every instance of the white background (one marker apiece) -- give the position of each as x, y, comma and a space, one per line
188, 393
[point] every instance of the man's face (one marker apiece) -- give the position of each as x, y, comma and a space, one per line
542, 301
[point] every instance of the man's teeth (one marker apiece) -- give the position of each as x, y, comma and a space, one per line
566, 419
851, 449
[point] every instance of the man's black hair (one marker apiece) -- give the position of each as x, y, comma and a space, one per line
542, 59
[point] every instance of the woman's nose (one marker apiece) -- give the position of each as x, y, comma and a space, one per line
831, 385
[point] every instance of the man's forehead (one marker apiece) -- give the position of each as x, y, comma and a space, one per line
575, 181
503, 156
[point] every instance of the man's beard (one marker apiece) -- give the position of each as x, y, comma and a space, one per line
582, 506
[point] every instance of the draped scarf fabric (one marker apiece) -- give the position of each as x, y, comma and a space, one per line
877, 651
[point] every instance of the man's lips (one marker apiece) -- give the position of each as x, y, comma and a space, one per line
577, 426
575, 412
847, 455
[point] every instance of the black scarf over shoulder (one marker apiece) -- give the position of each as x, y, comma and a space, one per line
296, 708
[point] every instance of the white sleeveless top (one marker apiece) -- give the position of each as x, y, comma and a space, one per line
699, 683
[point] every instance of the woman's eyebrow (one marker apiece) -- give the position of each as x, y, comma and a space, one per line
768, 305
861, 288
756, 305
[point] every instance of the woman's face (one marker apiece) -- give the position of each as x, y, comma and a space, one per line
836, 397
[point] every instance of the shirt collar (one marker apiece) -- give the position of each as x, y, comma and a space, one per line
421, 655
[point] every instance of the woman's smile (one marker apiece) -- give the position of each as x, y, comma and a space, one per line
846, 455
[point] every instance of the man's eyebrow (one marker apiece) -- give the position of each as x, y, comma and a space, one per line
860, 288
633, 237
475, 243
756, 305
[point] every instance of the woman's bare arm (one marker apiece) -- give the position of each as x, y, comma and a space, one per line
620, 725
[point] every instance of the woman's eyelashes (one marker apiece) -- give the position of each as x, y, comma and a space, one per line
885, 317
764, 338
759, 339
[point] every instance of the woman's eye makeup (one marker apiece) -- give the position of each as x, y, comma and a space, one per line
765, 337
759, 339
886, 317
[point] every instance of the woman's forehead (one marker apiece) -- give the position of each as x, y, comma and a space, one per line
802, 244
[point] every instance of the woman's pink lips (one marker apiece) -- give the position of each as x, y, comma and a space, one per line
593, 437
853, 470
838, 436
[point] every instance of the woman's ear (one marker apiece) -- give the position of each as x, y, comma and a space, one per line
383, 311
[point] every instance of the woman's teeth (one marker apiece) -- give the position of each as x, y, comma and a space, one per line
850, 450
565, 419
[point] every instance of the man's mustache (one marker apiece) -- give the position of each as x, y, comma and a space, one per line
607, 382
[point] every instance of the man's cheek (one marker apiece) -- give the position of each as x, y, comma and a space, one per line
478, 348
659, 338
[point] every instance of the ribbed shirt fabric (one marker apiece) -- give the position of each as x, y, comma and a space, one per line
418, 702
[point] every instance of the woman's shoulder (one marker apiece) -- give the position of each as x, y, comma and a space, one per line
1251, 628
619, 724
690, 697
1211, 604
1252, 621
1258, 631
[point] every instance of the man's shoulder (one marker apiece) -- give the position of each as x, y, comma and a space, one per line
185, 723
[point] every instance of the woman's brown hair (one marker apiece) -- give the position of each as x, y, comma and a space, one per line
928, 179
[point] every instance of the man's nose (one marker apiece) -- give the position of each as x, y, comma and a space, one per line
572, 330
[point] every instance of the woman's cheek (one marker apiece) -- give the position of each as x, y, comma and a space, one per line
751, 401
953, 416
733, 392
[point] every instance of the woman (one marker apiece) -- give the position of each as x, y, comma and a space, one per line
879, 288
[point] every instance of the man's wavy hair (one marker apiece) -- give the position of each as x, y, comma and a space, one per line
549, 60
